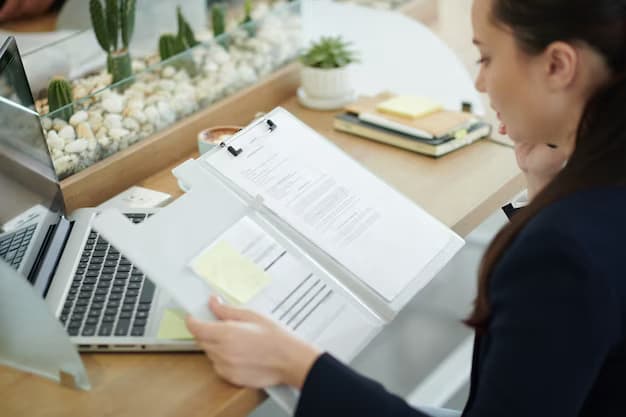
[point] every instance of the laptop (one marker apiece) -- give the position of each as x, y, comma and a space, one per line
104, 302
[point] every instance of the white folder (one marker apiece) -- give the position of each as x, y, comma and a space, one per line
373, 271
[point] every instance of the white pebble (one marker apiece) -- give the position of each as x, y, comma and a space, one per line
46, 123
78, 117
104, 141
111, 121
95, 121
84, 131
168, 72
64, 164
152, 114
77, 146
118, 133
113, 104
67, 133
58, 124
167, 85
130, 124
54, 141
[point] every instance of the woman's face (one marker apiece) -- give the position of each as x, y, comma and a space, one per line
515, 82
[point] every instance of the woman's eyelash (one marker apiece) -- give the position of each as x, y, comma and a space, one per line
482, 60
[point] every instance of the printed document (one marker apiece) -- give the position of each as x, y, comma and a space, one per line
341, 207
248, 267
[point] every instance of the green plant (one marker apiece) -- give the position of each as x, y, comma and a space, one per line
247, 22
218, 19
59, 96
329, 52
113, 25
185, 33
170, 45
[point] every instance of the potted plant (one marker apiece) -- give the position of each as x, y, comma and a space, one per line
325, 75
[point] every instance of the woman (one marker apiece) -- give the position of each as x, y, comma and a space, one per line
552, 286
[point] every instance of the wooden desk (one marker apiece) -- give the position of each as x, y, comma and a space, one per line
461, 189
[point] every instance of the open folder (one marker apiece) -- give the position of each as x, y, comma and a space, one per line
280, 220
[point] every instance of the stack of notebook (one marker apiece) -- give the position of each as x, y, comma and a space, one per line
412, 123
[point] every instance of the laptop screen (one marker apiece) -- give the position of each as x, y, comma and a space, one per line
28, 181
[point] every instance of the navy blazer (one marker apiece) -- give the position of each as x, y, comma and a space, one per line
555, 343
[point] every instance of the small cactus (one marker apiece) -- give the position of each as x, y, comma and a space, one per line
247, 22
113, 25
170, 45
185, 33
59, 96
218, 20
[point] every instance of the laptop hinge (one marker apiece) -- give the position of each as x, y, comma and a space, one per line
49, 255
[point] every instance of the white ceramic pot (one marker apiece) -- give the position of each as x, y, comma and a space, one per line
321, 83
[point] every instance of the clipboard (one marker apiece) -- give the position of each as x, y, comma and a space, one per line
163, 245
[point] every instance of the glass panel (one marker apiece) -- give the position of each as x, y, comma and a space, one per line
32, 339
159, 94
378, 4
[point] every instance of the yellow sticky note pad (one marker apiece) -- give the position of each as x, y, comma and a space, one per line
408, 106
224, 268
172, 325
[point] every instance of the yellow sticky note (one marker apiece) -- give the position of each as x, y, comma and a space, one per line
235, 276
172, 325
408, 106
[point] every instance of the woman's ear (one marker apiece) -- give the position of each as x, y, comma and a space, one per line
561, 61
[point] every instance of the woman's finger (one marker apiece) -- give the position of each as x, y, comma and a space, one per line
205, 331
226, 312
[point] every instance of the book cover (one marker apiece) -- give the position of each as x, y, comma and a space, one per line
433, 125
350, 123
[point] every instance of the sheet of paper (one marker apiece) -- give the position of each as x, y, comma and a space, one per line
172, 325
230, 274
277, 283
377, 233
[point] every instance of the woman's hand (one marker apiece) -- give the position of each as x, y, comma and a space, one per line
250, 350
540, 163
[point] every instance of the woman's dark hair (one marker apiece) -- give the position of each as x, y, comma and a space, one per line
599, 158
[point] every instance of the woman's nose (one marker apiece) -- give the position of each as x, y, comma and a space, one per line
480, 82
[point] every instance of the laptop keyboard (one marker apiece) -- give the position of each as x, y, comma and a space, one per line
108, 295
13, 247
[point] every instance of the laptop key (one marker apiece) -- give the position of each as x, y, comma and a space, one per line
73, 331
75, 323
105, 329
109, 318
115, 297
139, 322
122, 327
137, 331
143, 307
147, 291
89, 330
126, 314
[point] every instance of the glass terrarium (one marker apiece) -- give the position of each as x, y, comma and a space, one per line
106, 118
378, 4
